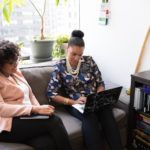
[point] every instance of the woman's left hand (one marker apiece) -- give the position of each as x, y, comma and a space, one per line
43, 109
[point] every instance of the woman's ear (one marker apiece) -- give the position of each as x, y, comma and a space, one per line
67, 49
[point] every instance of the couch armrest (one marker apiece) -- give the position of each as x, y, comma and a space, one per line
123, 102
122, 106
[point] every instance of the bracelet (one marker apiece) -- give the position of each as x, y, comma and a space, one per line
66, 101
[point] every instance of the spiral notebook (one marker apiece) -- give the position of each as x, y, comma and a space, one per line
97, 100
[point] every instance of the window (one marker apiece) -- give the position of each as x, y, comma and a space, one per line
25, 22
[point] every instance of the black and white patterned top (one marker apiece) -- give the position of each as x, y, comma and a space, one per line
87, 81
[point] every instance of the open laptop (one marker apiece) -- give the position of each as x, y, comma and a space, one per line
98, 100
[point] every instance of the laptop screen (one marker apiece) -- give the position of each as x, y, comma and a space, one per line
98, 100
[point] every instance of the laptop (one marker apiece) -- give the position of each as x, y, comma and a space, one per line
98, 100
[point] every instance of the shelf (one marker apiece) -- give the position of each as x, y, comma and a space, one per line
142, 77
137, 80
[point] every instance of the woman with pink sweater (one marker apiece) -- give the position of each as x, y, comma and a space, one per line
17, 99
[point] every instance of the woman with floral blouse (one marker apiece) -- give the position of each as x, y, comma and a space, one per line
79, 76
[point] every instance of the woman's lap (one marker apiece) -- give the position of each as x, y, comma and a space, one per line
92, 132
24, 129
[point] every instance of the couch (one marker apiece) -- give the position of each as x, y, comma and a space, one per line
38, 77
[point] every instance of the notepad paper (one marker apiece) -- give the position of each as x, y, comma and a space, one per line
79, 107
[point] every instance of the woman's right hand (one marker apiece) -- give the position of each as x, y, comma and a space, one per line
43, 109
80, 100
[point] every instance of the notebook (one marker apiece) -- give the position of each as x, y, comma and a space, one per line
34, 116
97, 100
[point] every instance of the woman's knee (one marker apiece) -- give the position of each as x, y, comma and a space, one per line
55, 121
89, 117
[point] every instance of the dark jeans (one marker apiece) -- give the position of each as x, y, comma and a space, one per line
41, 134
93, 137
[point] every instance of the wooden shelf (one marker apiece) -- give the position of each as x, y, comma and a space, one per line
138, 79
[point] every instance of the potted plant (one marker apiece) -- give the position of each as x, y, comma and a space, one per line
42, 45
60, 46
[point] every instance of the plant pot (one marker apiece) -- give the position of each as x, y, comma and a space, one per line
41, 50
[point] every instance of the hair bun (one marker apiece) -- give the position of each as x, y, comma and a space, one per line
77, 33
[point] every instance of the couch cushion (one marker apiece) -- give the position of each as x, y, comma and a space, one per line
118, 114
14, 146
72, 124
73, 127
38, 78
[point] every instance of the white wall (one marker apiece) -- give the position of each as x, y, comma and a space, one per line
145, 65
116, 47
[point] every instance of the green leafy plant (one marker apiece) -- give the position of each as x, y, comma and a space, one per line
7, 7
59, 46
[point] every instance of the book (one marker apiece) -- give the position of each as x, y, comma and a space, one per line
142, 126
144, 113
146, 89
146, 98
145, 119
138, 98
142, 142
34, 116
143, 135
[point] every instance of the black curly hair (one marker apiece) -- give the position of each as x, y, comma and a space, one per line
76, 39
8, 52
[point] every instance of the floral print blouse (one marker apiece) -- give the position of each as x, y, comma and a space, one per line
87, 81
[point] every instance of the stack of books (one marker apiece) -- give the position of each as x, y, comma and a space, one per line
142, 99
141, 134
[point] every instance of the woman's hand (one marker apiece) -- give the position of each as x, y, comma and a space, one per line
43, 109
100, 89
81, 100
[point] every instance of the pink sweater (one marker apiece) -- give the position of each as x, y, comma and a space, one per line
11, 100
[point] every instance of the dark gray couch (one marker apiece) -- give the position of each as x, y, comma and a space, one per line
38, 78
